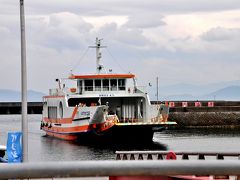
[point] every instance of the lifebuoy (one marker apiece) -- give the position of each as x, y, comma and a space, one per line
171, 156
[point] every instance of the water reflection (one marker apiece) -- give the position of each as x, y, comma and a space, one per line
213, 132
201, 140
56, 149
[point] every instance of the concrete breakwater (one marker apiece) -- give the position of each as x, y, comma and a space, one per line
206, 119
205, 114
219, 114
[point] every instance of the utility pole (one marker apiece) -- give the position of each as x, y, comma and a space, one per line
157, 90
24, 84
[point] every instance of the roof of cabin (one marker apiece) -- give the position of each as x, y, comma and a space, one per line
102, 76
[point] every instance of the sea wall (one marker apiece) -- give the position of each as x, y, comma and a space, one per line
210, 114
206, 119
15, 107
205, 114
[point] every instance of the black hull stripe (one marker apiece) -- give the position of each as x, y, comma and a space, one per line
79, 119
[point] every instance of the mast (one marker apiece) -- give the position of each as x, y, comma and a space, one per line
98, 56
99, 67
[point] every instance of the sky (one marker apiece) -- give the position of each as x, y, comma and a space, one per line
179, 41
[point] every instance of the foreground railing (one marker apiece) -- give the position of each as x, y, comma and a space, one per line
179, 155
119, 168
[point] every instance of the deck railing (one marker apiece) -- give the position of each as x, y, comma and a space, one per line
137, 89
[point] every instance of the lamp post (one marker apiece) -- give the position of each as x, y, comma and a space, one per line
157, 89
24, 84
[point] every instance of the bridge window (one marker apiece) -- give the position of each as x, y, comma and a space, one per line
121, 84
98, 84
79, 85
105, 84
113, 83
88, 85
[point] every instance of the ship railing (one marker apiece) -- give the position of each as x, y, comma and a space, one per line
179, 155
155, 120
140, 89
88, 88
137, 89
104, 88
140, 121
112, 168
97, 88
130, 120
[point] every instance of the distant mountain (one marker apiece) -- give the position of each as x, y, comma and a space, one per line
35, 96
7, 95
228, 90
195, 90
222, 85
231, 93
227, 93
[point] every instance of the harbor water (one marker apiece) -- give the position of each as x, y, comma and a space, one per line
43, 148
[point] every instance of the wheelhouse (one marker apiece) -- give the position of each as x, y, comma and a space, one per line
102, 82
123, 97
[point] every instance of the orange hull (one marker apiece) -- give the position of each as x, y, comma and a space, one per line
72, 133
63, 136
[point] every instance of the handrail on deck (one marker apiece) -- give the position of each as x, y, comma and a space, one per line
118, 168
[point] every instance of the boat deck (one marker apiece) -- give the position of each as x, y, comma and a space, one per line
146, 123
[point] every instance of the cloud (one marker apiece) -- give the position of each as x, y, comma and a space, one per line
123, 35
221, 34
58, 30
120, 7
145, 20
171, 39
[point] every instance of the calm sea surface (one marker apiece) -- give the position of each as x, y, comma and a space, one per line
42, 148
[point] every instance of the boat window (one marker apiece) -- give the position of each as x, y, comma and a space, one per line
121, 84
79, 85
113, 83
52, 112
106, 84
72, 102
88, 85
98, 84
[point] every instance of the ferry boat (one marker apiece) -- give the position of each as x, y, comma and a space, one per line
100, 106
